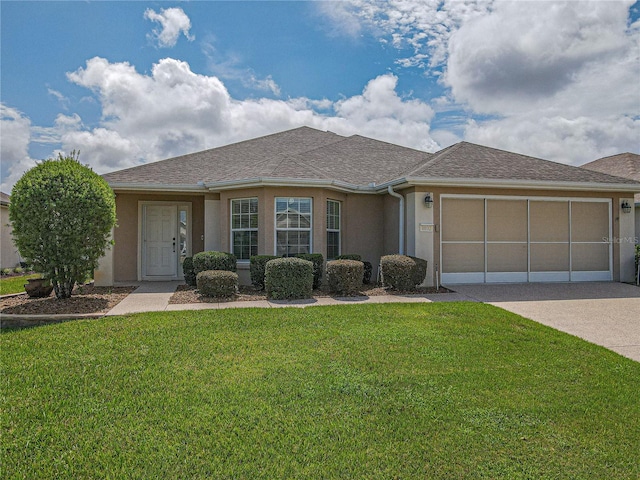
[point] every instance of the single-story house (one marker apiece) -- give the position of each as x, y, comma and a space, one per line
477, 214
9, 257
626, 165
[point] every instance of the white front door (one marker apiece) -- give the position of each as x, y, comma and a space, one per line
160, 249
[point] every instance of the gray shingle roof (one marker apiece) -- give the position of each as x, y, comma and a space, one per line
308, 154
469, 161
626, 165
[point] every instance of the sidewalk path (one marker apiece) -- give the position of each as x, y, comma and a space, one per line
155, 296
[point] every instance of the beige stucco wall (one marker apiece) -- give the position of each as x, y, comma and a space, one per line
9, 257
126, 248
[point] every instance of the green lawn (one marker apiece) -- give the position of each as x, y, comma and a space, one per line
447, 390
14, 284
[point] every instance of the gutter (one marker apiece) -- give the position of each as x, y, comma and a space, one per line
401, 222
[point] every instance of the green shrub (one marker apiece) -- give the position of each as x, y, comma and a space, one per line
318, 265
217, 283
257, 265
403, 272
204, 261
637, 260
62, 214
368, 269
419, 270
18, 270
7, 271
289, 278
345, 276
189, 271
349, 256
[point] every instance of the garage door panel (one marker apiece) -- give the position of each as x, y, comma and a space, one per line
507, 257
549, 221
549, 257
590, 257
589, 221
463, 257
462, 220
507, 220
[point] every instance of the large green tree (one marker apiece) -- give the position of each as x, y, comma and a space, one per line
62, 214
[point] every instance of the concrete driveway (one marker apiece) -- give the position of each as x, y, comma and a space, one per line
603, 313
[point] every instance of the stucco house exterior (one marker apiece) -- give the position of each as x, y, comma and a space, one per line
476, 214
9, 257
626, 165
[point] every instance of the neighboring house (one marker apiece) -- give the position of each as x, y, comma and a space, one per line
626, 165
477, 214
9, 257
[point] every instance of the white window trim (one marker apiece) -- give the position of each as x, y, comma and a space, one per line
338, 230
275, 223
233, 230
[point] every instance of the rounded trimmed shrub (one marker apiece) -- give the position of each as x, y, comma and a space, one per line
345, 276
189, 272
214, 261
257, 266
397, 272
217, 283
289, 278
419, 270
318, 264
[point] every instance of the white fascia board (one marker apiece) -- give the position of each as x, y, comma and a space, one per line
154, 187
519, 184
287, 182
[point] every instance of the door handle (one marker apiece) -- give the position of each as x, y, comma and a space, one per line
174, 245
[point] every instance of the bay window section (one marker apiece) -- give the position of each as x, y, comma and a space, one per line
333, 229
244, 227
293, 226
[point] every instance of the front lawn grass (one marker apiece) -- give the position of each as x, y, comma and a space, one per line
444, 390
15, 284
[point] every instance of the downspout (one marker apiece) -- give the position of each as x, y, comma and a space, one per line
401, 211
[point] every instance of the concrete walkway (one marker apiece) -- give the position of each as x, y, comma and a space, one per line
604, 313
155, 296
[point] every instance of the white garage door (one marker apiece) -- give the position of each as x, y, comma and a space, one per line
519, 239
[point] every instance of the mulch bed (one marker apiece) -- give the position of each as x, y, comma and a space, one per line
87, 299
187, 294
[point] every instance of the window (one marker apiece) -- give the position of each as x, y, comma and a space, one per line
244, 227
293, 226
333, 229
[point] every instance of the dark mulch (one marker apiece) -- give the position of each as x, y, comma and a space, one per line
87, 299
187, 294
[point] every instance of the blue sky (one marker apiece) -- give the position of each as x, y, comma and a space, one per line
132, 82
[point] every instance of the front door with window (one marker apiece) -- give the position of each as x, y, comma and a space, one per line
160, 241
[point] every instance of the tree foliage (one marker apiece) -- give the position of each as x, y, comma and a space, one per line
62, 215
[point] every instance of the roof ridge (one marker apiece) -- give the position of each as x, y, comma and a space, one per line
302, 163
435, 157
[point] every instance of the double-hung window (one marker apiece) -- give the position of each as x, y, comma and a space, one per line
333, 229
293, 226
244, 227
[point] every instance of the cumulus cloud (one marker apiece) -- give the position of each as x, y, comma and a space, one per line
556, 79
173, 111
14, 148
173, 22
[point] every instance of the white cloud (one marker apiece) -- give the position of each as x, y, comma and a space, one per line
173, 111
173, 22
14, 148
560, 76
